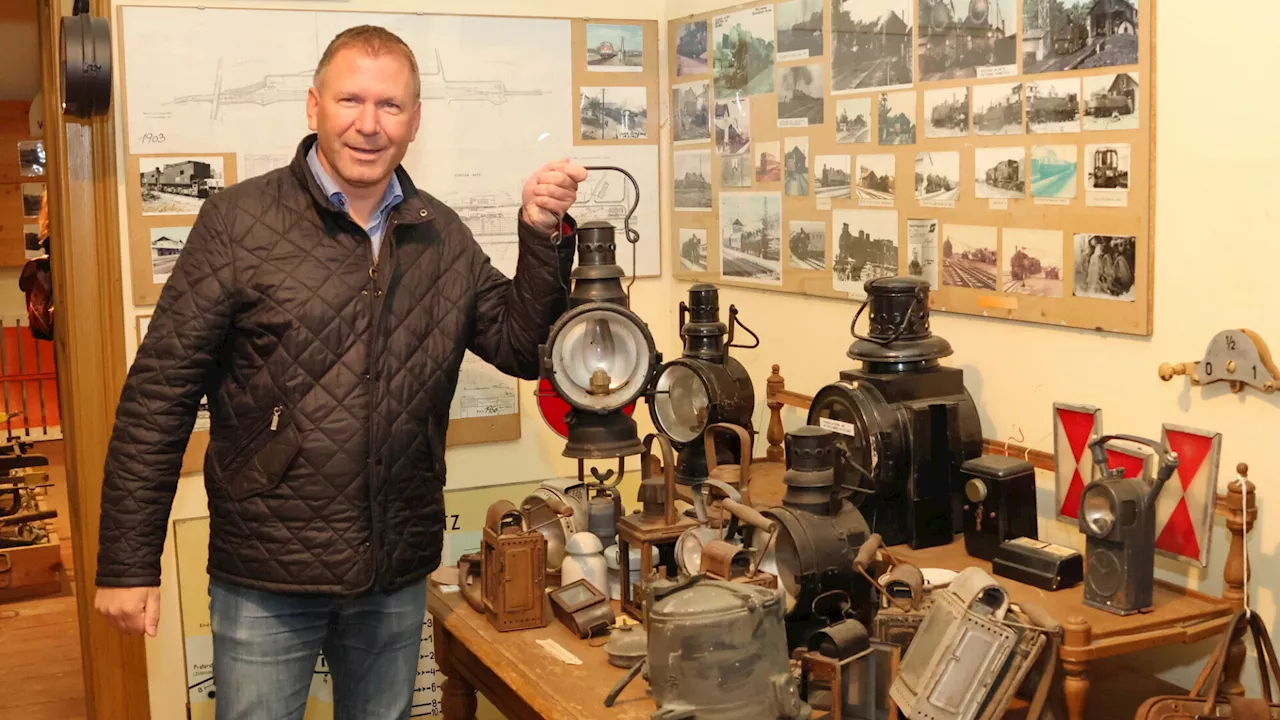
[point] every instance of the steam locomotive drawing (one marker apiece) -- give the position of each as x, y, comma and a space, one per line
953, 41
856, 252
997, 115
193, 178
1042, 108
1023, 266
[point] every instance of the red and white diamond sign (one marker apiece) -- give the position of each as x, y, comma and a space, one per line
1073, 425
1184, 510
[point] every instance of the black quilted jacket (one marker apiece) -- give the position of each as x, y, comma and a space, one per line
329, 380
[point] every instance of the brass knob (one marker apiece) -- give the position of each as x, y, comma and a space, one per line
975, 490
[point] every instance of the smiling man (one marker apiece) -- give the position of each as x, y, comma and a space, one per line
324, 309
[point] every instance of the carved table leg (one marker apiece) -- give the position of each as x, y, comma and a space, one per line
458, 697
1077, 635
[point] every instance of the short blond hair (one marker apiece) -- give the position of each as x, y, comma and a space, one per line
374, 40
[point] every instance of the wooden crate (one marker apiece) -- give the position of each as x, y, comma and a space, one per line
37, 570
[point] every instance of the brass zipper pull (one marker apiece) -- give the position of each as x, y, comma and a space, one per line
275, 417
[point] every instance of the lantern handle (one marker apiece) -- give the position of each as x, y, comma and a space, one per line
668, 470
733, 320
1168, 459
902, 328
632, 235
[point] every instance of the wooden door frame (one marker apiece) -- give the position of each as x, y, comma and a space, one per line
89, 347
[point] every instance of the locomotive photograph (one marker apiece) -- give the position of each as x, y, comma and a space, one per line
614, 113
1053, 106
1000, 172
799, 29
946, 112
831, 177
853, 120
768, 166
969, 256
31, 241
876, 181
750, 236
865, 247
1054, 170
1111, 102
997, 109
795, 164
937, 177
692, 111
967, 38
166, 245
693, 249
691, 49
897, 118
692, 179
31, 158
178, 186
800, 99
870, 44
743, 52
31, 194
615, 48
1033, 262
1107, 167
733, 126
922, 250
1062, 35
1104, 266
807, 243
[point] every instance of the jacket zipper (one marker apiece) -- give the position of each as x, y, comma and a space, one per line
273, 425
374, 354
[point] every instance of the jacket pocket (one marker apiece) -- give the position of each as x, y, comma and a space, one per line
261, 459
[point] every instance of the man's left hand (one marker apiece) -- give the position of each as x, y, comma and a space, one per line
552, 189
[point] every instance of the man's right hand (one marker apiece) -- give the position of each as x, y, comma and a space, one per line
131, 610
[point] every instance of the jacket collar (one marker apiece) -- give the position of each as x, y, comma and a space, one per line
412, 209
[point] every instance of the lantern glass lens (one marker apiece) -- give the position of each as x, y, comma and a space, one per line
1099, 513
681, 404
601, 360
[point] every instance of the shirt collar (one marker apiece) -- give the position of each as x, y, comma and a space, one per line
392, 195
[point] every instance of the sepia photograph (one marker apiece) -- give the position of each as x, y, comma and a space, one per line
31, 241
32, 194
897, 118
853, 120
31, 158
768, 161
938, 177
870, 44
614, 113
178, 186
692, 174
1000, 172
733, 126
743, 52
795, 167
1033, 262
969, 256
807, 244
750, 236
875, 175
1104, 266
693, 249
997, 109
800, 99
865, 247
946, 112
831, 177
1107, 166
1053, 106
799, 29
166, 244
1060, 35
690, 104
979, 43
1111, 102
922, 250
735, 170
615, 48
691, 49
1054, 170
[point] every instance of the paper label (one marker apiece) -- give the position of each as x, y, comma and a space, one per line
998, 204
824, 203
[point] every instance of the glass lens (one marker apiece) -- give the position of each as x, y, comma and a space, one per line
600, 359
682, 404
1099, 515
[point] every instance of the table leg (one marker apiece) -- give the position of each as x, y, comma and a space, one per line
1076, 636
458, 697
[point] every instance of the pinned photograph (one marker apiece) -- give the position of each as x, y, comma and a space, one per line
866, 247
946, 112
898, 118
733, 126
178, 186
750, 239
735, 170
1104, 266
1054, 170
614, 113
690, 104
876, 179
808, 244
795, 167
31, 158
32, 194
693, 249
1111, 102
870, 45
969, 256
1000, 172
166, 245
799, 29
981, 43
743, 52
997, 109
1106, 179
922, 250
1033, 264
938, 178
693, 180
768, 162
831, 177
1053, 106
1062, 35
800, 100
615, 48
31, 241
691, 49
853, 120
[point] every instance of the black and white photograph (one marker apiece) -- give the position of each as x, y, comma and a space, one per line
1053, 106
1055, 171
938, 177
1060, 35
795, 167
922, 250
997, 109
692, 174
615, 48
1000, 172
750, 236
743, 52
870, 45
800, 99
946, 112
831, 177
1032, 262
876, 176
691, 49
693, 249
969, 256
865, 247
31, 158
166, 245
733, 126
178, 186
979, 43
691, 106
1104, 266
853, 120
31, 241
31, 198
614, 113
768, 161
897, 118
799, 29
1111, 102
736, 170
807, 243
1107, 167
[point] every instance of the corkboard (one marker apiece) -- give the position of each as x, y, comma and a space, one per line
646, 78
1076, 216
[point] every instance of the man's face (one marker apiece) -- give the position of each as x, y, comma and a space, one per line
364, 114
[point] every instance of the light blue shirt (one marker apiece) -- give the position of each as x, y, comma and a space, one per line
378, 221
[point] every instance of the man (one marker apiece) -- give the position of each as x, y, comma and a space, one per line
324, 309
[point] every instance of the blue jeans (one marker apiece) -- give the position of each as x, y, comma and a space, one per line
265, 649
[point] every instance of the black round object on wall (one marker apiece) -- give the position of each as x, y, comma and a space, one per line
85, 58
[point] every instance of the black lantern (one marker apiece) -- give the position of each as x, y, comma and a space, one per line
904, 424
